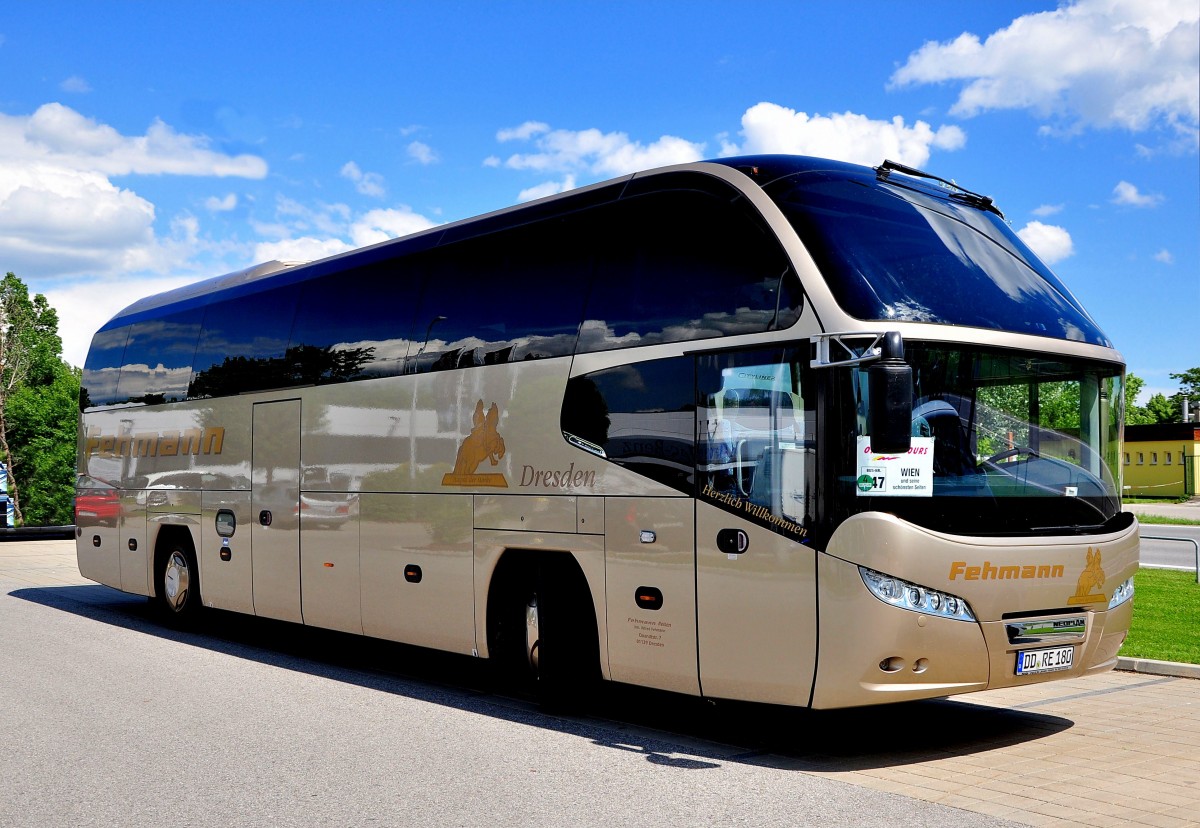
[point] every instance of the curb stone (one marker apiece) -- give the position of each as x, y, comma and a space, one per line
1158, 668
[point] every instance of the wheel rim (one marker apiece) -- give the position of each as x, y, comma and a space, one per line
532, 633
176, 580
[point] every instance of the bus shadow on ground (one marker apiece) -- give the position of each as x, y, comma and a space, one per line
669, 729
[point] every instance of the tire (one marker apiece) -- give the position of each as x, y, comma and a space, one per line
177, 584
513, 590
544, 632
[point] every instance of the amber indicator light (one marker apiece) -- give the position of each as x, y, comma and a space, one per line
648, 597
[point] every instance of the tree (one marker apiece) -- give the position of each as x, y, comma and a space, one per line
1134, 413
43, 421
30, 357
1189, 382
1162, 410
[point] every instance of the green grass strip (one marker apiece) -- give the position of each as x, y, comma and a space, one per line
1166, 617
1163, 520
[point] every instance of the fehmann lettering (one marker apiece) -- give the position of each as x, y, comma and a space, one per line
988, 572
568, 478
194, 441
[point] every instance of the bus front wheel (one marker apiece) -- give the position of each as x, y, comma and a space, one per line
544, 633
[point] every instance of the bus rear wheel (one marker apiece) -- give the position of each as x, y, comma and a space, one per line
177, 584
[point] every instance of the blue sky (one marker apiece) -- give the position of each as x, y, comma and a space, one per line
143, 146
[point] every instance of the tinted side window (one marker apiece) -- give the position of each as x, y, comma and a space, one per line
355, 324
506, 297
243, 342
682, 265
639, 416
102, 369
157, 366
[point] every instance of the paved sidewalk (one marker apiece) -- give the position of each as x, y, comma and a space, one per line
1112, 750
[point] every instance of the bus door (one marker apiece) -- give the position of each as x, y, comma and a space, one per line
275, 508
756, 613
651, 588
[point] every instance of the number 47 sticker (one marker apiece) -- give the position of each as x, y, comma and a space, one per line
872, 480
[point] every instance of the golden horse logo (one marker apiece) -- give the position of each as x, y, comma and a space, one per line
1091, 578
483, 443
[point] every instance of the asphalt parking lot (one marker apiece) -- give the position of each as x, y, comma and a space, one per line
1117, 749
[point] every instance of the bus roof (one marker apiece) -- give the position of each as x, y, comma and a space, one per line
762, 169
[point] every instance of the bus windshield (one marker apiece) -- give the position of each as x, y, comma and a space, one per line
1021, 443
898, 253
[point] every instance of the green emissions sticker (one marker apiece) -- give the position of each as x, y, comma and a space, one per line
865, 483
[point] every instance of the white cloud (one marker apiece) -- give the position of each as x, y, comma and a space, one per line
303, 249
549, 188
1047, 210
522, 133
592, 151
1104, 63
1164, 256
769, 127
380, 225
75, 84
1127, 195
367, 183
766, 128
307, 234
58, 135
60, 214
221, 205
1051, 244
56, 220
422, 153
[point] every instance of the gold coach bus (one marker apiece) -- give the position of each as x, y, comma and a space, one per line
768, 428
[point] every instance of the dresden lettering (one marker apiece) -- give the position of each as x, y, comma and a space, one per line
988, 572
568, 478
193, 441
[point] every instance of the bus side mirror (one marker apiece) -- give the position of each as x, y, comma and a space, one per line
889, 384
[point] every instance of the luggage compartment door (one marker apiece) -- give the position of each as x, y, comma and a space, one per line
274, 510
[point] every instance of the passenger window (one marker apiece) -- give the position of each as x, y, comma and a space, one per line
355, 324
157, 366
510, 296
757, 455
102, 370
639, 416
243, 343
683, 265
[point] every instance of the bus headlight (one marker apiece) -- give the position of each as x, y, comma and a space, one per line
910, 596
1121, 594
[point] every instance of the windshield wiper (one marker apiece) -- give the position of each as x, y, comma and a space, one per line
982, 202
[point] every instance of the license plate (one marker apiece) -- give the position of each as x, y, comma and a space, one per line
1045, 661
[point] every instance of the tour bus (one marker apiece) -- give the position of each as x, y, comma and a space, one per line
771, 428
